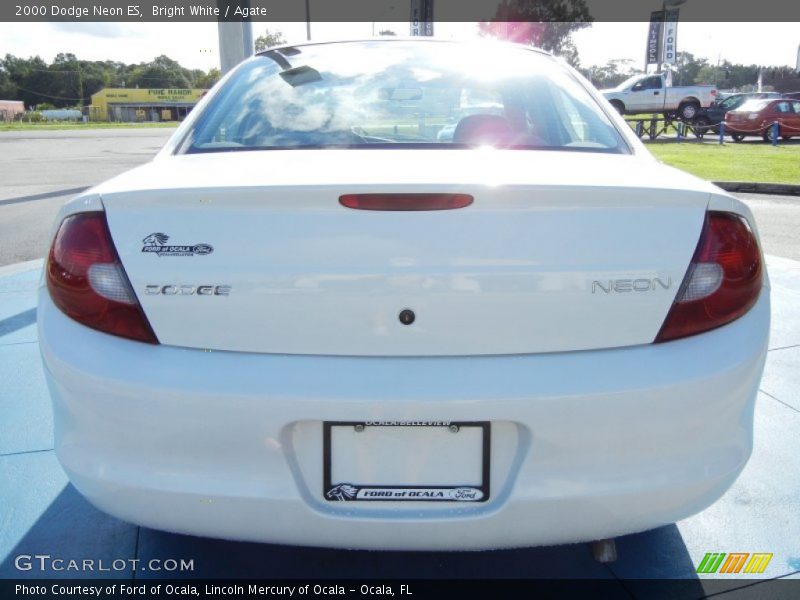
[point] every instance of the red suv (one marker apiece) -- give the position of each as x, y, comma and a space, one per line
755, 117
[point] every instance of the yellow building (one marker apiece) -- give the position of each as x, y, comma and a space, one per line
123, 104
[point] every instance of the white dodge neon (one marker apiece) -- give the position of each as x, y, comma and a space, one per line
314, 320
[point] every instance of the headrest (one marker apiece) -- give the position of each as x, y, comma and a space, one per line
488, 130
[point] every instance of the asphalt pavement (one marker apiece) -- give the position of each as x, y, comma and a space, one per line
43, 169
778, 222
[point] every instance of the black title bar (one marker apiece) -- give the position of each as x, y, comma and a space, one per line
389, 10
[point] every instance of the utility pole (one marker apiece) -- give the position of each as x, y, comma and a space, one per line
80, 87
797, 66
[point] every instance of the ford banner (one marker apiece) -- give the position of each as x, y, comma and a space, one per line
670, 42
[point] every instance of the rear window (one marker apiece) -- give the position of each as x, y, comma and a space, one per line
753, 105
402, 94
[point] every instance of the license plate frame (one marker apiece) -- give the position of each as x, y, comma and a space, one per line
365, 492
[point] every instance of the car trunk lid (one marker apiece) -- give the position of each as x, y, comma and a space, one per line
254, 252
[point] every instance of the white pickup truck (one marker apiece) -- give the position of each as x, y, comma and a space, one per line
650, 94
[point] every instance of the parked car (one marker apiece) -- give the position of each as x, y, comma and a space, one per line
712, 116
756, 117
650, 93
792, 95
298, 326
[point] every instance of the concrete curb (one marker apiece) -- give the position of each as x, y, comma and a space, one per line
781, 189
21, 267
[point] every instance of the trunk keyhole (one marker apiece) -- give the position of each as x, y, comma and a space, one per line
407, 317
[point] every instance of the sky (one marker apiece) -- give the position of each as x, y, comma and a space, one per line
195, 45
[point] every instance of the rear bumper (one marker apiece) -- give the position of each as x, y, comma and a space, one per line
585, 445
744, 128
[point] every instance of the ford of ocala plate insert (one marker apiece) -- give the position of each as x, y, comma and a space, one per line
406, 461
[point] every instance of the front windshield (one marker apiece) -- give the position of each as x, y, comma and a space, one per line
732, 102
402, 94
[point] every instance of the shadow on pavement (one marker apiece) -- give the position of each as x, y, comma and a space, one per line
218, 558
18, 321
43, 196
70, 528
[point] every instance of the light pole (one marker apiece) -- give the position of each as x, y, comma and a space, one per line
308, 20
235, 40
797, 67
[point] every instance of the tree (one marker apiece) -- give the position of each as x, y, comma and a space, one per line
207, 80
32, 79
162, 72
67, 79
612, 73
688, 68
270, 38
569, 52
8, 89
546, 24
96, 75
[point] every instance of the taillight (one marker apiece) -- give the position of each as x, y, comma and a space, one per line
723, 280
86, 279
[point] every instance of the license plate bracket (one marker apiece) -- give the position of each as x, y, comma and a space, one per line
360, 461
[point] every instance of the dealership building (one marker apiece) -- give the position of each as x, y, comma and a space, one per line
10, 109
135, 104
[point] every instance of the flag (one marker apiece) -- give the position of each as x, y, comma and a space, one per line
422, 17
671, 36
654, 38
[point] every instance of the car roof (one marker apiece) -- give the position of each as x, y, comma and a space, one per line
760, 95
764, 95
770, 101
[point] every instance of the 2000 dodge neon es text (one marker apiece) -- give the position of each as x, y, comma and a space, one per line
404, 295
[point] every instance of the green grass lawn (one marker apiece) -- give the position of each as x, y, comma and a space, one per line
16, 126
751, 162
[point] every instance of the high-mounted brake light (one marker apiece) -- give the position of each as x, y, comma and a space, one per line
87, 282
723, 280
405, 201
